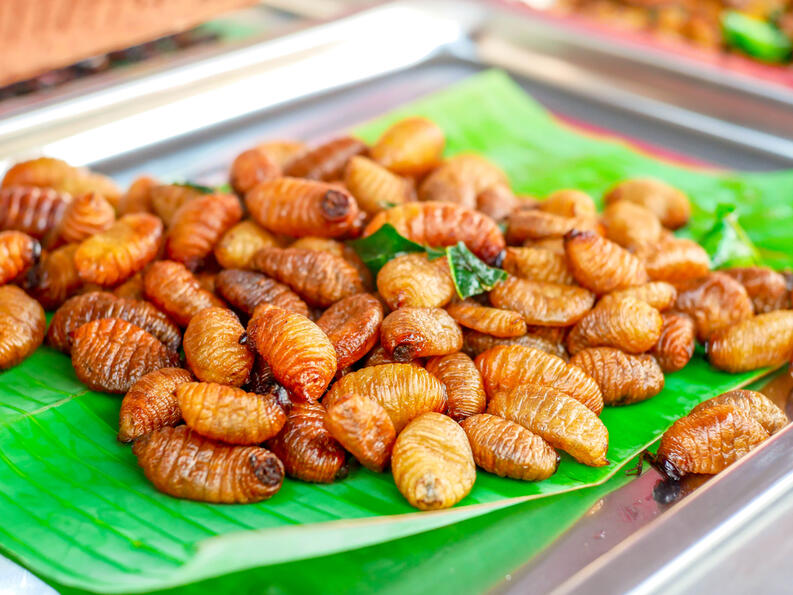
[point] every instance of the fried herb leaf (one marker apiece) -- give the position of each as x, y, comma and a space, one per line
196, 187
471, 276
383, 245
727, 243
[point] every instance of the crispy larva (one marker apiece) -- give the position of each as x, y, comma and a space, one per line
297, 207
628, 324
497, 201
166, 199
659, 294
240, 243
752, 404
214, 349
229, 414
714, 302
379, 355
536, 264
444, 224
676, 344
403, 390
676, 260
320, 278
556, 417
245, 290
87, 215
198, 225
338, 248
252, 167
78, 310
669, 204
506, 367
374, 187
475, 343
31, 210
151, 403
461, 179
18, 253
306, 447
22, 326
508, 449
600, 265
631, 225
176, 291
490, 321
412, 146
555, 245
110, 355
432, 462
363, 427
137, 198
465, 391
131, 289
766, 288
543, 304
569, 203
282, 151
534, 224
412, 280
54, 279
110, 257
708, 441
300, 354
623, 378
181, 463
326, 161
353, 327
409, 333
765, 340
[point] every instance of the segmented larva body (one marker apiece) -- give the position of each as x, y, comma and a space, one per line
363, 427
497, 201
326, 161
409, 333
536, 264
631, 225
491, 321
166, 199
245, 290
752, 404
675, 347
151, 403
676, 260
543, 304
353, 327
410, 147
766, 288
764, 340
628, 324
659, 294
31, 210
54, 279
412, 280
534, 224
87, 215
338, 248
569, 202
475, 343
137, 198
460, 179
667, 202
379, 355
252, 167
18, 253
213, 347
176, 291
374, 187
465, 391
240, 243
623, 378
714, 302
22, 325
282, 151
181, 463
600, 265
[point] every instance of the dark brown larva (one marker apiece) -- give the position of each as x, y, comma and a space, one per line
629, 324
22, 326
306, 447
623, 378
250, 168
181, 463
363, 427
714, 302
245, 290
465, 391
110, 355
543, 304
600, 265
214, 349
766, 288
54, 279
490, 321
475, 343
353, 327
752, 404
409, 333
176, 291
765, 340
151, 403
676, 344
80, 309
131, 289
18, 253
31, 210
327, 161
338, 248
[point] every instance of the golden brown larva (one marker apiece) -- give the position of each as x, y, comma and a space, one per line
534, 224
766, 288
675, 260
465, 391
497, 201
600, 265
475, 343
631, 225
245, 290
151, 403
624, 378
18, 253
252, 167
569, 202
758, 342
629, 324
363, 427
374, 187
491, 321
22, 326
237, 247
676, 343
713, 302
460, 179
411, 146
54, 279
412, 280
669, 204
659, 294
353, 327
750, 403
31, 210
543, 304
326, 161
137, 198
86, 215
536, 264
176, 291
408, 333
166, 199
214, 347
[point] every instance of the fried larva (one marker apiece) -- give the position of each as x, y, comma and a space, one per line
475, 343
708, 441
555, 334
214, 349
444, 224
110, 257
78, 310
374, 187
765, 340
262, 382
327, 161
600, 265
252, 167
176, 291
714, 302
54, 278
676, 344
363, 427
506, 367
338, 248
497, 201
628, 324
151, 403
282, 151
631, 225
229, 414
87, 215
31, 210
534, 224
676, 260
508, 449
409, 333
166, 199
132, 288
623, 378
751, 404
659, 294
405, 391
536, 264
300, 354
137, 198
669, 204
543, 304
306, 447
556, 417
320, 278
465, 392
766, 288
22, 326
245, 290
296, 207
353, 327
110, 354
379, 355
432, 462
461, 179
555, 245
490, 321
198, 225
569, 203
181, 463
412, 146
18, 253
239, 245
413, 280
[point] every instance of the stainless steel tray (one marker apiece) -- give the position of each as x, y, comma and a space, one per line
188, 118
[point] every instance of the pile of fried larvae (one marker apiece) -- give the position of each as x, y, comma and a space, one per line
297, 360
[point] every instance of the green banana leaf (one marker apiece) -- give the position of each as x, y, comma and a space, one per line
75, 508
